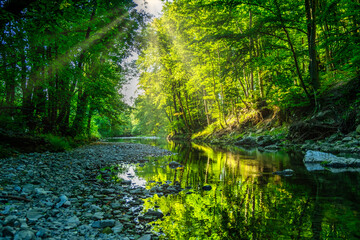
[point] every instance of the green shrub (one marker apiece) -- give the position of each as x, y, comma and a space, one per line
57, 143
6, 151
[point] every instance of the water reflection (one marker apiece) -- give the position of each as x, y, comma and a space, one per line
246, 200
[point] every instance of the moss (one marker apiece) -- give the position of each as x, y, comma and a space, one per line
107, 230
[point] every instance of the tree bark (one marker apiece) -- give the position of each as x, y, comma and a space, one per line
82, 103
310, 7
292, 49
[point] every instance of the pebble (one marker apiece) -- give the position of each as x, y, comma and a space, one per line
68, 201
25, 235
35, 214
145, 237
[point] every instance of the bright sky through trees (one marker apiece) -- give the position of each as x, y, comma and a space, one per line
130, 89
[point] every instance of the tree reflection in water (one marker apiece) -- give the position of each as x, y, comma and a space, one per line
247, 201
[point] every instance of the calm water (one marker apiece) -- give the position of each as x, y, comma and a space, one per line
246, 200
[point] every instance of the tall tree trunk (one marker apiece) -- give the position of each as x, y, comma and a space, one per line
82, 103
27, 87
292, 49
216, 98
90, 115
206, 109
251, 43
183, 110
10, 86
310, 7
52, 94
191, 122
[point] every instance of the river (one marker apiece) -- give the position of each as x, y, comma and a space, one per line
232, 193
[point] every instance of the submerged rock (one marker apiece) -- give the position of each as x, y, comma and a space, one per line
154, 214
207, 188
286, 172
174, 165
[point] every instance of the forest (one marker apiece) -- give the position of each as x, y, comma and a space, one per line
62, 65
246, 124
203, 64
215, 64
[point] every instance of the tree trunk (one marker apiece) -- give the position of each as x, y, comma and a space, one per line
206, 109
183, 115
82, 104
292, 49
310, 7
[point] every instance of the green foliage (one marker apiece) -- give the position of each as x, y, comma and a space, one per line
61, 64
207, 60
207, 131
147, 119
6, 151
57, 143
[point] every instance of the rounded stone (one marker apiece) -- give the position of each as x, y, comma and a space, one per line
25, 235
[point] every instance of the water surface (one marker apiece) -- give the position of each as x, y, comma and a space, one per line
246, 200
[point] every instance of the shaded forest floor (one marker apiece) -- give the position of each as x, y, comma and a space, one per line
13, 143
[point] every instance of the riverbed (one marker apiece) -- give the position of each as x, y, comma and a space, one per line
126, 189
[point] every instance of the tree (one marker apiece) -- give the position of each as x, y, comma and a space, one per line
61, 62
207, 61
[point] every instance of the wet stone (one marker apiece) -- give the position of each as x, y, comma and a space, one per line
62, 202
98, 215
118, 228
35, 214
103, 223
25, 235
7, 232
43, 233
65, 195
145, 237
115, 205
11, 221
126, 182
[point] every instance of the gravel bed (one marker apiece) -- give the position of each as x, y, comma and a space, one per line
73, 195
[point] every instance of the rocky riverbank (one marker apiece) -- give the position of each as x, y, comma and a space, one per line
75, 194
337, 143
270, 141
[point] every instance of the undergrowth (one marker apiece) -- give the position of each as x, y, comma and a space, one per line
248, 123
57, 143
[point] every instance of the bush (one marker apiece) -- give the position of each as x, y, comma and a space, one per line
57, 144
6, 151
